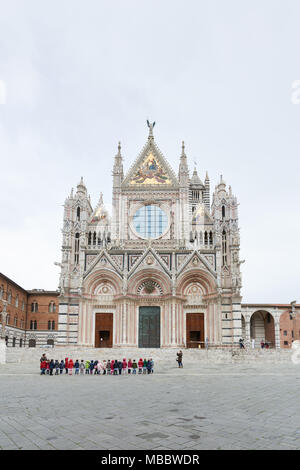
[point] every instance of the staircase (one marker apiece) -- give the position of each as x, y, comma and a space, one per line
160, 356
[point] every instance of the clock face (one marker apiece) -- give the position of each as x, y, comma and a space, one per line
150, 221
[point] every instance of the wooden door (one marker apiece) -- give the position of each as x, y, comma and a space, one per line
194, 330
104, 330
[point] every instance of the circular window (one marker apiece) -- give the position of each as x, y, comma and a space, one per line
150, 221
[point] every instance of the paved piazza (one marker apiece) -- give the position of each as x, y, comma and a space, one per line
218, 406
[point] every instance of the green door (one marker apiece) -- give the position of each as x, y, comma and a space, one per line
149, 327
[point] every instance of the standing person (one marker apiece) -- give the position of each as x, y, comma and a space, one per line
76, 365
43, 358
108, 366
140, 364
253, 343
99, 367
129, 366
149, 366
116, 367
104, 367
134, 367
206, 342
70, 366
120, 366
48, 367
145, 366
152, 365
66, 364
56, 367
179, 359
124, 366
43, 367
262, 344
112, 367
51, 366
91, 367
61, 366
87, 367
241, 341
82, 367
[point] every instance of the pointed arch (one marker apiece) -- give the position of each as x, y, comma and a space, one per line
204, 278
100, 276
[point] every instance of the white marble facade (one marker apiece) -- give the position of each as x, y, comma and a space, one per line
165, 245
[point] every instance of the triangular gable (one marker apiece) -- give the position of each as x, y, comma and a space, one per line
201, 216
100, 214
150, 169
196, 260
105, 261
155, 257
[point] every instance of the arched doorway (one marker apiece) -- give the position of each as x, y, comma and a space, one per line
262, 328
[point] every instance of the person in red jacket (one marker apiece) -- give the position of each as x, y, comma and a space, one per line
112, 367
70, 366
48, 366
129, 366
66, 364
43, 367
140, 364
124, 366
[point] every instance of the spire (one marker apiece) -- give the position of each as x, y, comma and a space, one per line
118, 172
183, 167
195, 178
81, 188
118, 157
206, 197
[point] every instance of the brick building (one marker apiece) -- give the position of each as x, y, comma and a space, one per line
28, 318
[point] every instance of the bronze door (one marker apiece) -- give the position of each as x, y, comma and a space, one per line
104, 330
149, 327
194, 330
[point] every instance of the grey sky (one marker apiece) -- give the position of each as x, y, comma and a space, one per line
79, 76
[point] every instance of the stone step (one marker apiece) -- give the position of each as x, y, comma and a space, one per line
32, 355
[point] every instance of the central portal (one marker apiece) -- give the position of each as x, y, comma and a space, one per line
149, 327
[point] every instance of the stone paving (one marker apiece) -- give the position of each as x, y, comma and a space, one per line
229, 406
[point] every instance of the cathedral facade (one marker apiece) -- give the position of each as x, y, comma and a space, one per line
162, 270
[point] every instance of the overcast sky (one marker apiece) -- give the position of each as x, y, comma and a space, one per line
76, 77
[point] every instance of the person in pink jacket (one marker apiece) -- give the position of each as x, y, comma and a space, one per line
129, 366
99, 367
124, 366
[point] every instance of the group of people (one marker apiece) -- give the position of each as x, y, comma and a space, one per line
110, 367
263, 344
